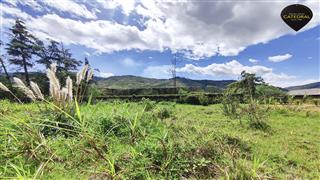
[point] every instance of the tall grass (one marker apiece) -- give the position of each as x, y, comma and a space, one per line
4, 88
64, 115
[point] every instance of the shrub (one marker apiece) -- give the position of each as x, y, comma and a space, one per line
183, 91
148, 104
316, 102
284, 99
297, 102
195, 99
290, 99
113, 125
256, 116
163, 112
271, 100
190, 99
94, 92
230, 106
305, 98
203, 100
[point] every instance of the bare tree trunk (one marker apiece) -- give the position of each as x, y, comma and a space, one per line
26, 71
5, 69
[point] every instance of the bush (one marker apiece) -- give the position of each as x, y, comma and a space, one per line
284, 99
203, 100
305, 98
256, 116
316, 102
195, 99
94, 92
114, 125
183, 91
163, 112
148, 104
190, 99
230, 106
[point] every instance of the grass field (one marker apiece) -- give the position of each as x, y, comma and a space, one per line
147, 140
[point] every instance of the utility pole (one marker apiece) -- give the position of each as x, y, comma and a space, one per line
174, 72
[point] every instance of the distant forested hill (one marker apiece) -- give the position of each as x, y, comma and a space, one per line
132, 82
306, 86
136, 82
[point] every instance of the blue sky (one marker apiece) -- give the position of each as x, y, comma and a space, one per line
212, 39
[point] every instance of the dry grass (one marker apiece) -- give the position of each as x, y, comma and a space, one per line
18, 83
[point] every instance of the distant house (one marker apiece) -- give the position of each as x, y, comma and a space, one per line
315, 92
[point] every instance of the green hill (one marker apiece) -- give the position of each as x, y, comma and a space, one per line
136, 82
306, 86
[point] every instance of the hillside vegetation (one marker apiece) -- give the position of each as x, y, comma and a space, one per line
53, 125
64, 137
306, 86
157, 141
130, 82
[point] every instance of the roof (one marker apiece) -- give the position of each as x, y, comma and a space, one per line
314, 91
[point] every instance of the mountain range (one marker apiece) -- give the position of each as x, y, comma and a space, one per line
306, 86
136, 82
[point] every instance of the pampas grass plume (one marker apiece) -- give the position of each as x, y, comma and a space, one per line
69, 88
54, 84
36, 90
20, 85
4, 88
79, 78
90, 75
53, 67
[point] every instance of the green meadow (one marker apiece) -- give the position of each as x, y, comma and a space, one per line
149, 140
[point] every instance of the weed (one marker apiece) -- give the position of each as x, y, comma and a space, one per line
257, 116
163, 112
230, 106
316, 102
148, 104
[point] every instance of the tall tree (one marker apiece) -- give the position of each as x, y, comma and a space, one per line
247, 84
21, 47
86, 61
68, 63
56, 53
3, 65
49, 54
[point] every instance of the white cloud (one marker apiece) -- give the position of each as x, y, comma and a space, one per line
30, 3
12, 11
128, 62
192, 26
254, 61
71, 7
279, 80
67, 6
127, 6
101, 35
189, 27
284, 80
86, 53
105, 74
232, 68
279, 58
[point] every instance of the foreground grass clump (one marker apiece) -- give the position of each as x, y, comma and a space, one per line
148, 140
